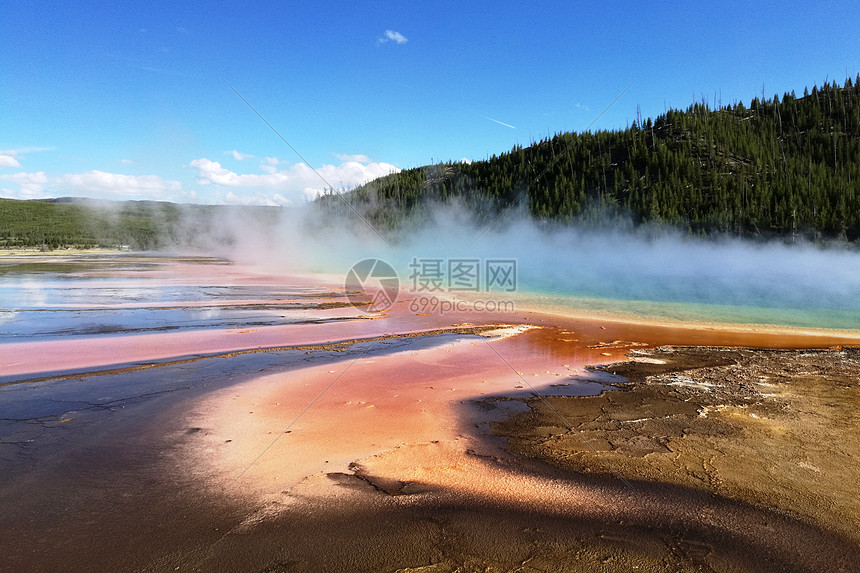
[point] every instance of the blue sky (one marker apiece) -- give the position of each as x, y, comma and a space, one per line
130, 100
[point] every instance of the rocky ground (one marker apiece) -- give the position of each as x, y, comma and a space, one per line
775, 429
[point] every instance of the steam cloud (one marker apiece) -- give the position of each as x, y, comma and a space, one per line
665, 273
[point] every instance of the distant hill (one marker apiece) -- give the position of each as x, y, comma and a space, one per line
137, 225
783, 167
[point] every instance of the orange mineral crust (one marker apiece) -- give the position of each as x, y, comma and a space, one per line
268, 434
271, 433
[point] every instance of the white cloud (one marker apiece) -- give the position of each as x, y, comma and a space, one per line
94, 184
126, 161
293, 183
239, 156
107, 185
392, 36
29, 185
271, 182
7, 160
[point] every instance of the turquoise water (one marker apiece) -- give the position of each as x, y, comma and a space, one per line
847, 319
785, 297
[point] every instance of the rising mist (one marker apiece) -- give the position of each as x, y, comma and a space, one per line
614, 262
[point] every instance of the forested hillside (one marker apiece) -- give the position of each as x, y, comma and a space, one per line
784, 166
137, 225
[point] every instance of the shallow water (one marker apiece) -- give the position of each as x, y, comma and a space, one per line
92, 296
45, 296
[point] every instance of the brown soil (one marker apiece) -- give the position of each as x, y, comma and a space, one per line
779, 430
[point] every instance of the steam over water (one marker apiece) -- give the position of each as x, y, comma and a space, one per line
727, 281
655, 274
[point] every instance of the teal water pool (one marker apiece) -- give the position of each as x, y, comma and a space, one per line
687, 312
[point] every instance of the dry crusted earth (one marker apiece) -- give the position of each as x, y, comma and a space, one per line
777, 431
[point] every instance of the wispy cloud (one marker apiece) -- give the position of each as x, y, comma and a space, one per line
239, 156
500, 122
9, 157
357, 158
392, 36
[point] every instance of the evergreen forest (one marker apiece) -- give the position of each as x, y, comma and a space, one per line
780, 167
